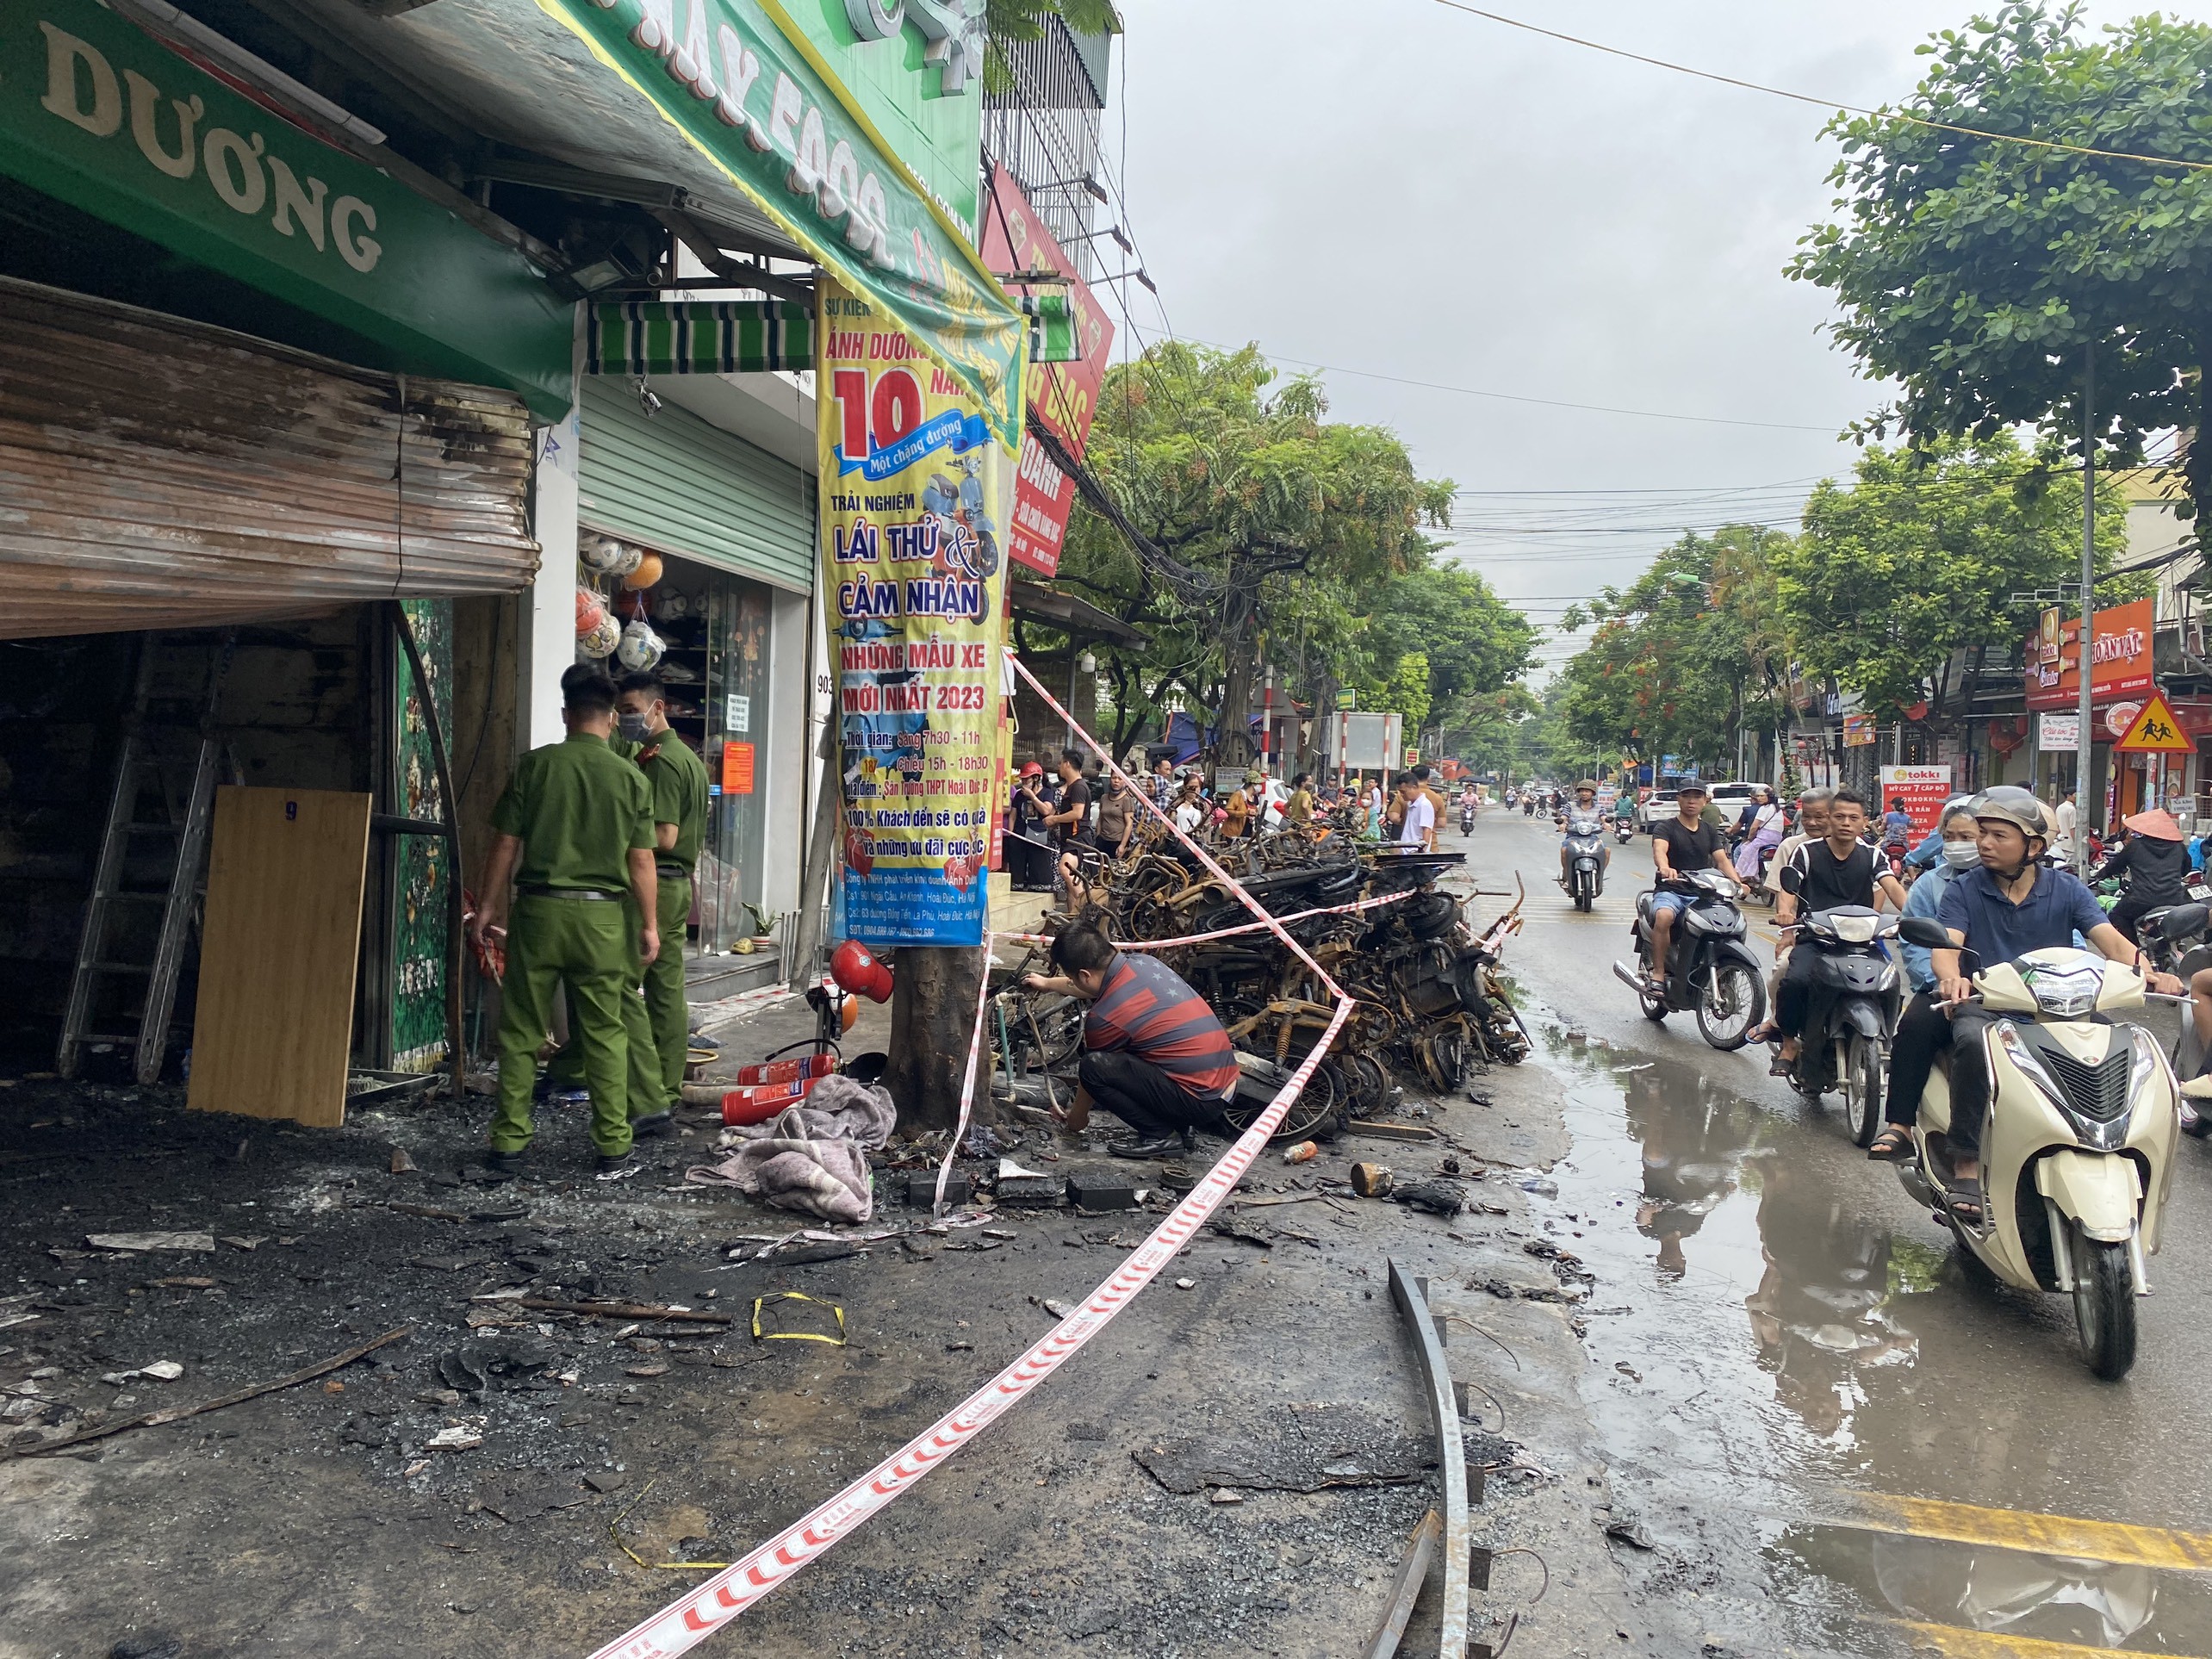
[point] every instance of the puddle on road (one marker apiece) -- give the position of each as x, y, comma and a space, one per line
1773, 1326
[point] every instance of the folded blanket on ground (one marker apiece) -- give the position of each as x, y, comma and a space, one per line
812, 1158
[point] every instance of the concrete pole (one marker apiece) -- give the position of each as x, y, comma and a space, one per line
2083, 754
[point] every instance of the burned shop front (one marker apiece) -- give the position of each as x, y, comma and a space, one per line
269, 425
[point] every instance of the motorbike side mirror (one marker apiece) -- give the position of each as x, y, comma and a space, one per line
2184, 920
1926, 932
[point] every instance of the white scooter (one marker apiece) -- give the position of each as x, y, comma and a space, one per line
2078, 1153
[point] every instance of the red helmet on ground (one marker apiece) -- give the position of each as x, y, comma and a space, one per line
854, 967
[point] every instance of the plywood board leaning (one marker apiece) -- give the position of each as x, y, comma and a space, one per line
273, 1025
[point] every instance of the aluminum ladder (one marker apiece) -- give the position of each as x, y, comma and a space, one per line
185, 826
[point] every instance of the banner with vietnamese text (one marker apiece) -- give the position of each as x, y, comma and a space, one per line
913, 490
1062, 395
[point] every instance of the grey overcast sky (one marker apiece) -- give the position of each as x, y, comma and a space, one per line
1395, 187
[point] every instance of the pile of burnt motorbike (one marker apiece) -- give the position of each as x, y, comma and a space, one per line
1429, 1005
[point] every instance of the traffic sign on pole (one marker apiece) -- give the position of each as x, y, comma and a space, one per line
2154, 730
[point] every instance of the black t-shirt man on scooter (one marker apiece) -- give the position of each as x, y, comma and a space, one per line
1838, 870
1681, 846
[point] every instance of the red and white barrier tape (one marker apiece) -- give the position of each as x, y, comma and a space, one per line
705, 1609
967, 1080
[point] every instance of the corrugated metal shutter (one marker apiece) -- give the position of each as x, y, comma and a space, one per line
677, 484
155, 472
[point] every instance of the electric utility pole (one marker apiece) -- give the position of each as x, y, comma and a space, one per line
2079, 851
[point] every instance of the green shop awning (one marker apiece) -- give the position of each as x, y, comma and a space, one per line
751, 337
97, 114
699, 337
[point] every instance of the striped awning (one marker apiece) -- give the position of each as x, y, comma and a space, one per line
752, 336
699, 337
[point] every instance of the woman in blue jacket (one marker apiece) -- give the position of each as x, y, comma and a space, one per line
1924, 1029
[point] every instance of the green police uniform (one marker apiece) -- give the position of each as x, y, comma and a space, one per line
580, 809
678, 781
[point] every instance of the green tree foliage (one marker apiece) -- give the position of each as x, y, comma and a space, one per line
1685, 657
1978, 273
1919, 556
1473, 643
1406, 693
1268, 519
1489, 729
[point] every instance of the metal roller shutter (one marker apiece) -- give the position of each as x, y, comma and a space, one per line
675, 483
155, 472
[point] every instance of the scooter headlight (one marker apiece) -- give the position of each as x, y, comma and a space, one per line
2066, 993
2149, 1062
2023, 1059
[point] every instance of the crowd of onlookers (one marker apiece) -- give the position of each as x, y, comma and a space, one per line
1064, 809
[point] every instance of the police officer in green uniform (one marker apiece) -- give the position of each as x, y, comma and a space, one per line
679, 780
575, 832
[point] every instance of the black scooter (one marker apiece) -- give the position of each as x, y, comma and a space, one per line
1857, 998
1710, 967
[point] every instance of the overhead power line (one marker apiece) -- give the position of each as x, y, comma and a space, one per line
1824, 103
1541, 402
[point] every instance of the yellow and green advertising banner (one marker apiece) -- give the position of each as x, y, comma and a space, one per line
754, 95
914, 488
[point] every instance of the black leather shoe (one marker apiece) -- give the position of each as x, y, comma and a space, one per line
652, 1123
609, 1162
504, 1165
1160, 1148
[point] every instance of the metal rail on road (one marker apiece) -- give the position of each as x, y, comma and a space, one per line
1412, 1298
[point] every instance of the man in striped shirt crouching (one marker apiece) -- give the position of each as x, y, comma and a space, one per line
1154, 1055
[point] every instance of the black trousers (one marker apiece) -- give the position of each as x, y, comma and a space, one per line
1027, 861
1795, 989
1922, 1035
2125, 914
1969, 1079
1143, 1096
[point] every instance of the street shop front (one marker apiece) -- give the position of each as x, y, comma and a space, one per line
265, 445
699, 547
2120, 678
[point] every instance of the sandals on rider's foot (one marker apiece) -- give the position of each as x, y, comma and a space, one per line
1964, 1201
1893, 1145
1779, 1067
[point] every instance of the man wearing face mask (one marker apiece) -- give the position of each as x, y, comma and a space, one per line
680, 796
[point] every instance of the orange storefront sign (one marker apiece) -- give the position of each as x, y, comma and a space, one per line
2121, 649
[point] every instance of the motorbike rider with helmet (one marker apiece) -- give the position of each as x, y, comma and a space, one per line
1586, 803
2003, 908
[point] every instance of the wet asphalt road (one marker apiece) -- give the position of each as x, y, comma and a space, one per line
1785, 1347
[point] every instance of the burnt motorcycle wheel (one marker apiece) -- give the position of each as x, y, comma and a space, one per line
2104, 1306
1316, 1115
1363, 1084
1862, 1089
1444, 1058
1733, 1003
